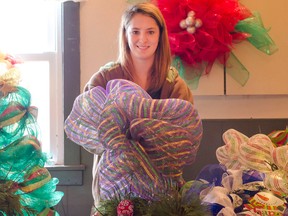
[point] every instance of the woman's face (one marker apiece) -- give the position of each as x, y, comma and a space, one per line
143, 37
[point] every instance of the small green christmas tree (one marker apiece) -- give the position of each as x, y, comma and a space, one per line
26, 186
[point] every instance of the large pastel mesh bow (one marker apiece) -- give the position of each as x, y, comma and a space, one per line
257, 153
144, 142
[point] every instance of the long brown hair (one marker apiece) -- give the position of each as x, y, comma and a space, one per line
162, 59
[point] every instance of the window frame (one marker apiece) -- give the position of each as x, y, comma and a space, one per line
70, 173
71, 72
56, 102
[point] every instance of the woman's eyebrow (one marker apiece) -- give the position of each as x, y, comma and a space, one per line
137, 28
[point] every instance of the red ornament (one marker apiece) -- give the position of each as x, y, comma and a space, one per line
125, 208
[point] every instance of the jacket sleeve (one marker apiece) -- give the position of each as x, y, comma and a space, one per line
97, 79
110, 71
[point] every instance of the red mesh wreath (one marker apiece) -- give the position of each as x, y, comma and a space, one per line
210, 41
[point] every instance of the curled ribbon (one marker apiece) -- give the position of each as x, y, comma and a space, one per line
144, 142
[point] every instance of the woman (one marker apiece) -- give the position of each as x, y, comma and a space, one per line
144, 56
144, 59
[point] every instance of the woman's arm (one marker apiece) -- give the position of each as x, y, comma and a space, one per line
181, 90
97, 79
110, 71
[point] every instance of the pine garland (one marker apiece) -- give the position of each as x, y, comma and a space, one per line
166, 206
174, 206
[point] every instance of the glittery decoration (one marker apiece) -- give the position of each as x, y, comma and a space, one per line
144, 142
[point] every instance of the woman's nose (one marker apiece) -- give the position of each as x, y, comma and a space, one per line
143, 37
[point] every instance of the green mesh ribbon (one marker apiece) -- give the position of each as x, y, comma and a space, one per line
191, 74
31, 186
26, 151
26, 186
237, 70
259, 36
17, 117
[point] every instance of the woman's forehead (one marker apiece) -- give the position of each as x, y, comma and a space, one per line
142, 21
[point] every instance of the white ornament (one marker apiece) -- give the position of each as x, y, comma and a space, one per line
191, 29
190, 21
198, 23
183, 24
191, 14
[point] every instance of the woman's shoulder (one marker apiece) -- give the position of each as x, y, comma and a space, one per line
110, 66
172, 75
109, 71
176, 87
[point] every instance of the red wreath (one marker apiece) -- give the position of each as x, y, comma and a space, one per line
210, 40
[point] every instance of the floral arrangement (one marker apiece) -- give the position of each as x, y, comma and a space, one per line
26, 186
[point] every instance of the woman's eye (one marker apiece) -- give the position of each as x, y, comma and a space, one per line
135, 32
151, 32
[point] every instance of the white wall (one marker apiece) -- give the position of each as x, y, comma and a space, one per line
99, 23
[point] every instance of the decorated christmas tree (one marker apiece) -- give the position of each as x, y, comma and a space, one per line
26, 186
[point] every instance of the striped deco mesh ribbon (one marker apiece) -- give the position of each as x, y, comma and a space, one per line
144, 142
256, 153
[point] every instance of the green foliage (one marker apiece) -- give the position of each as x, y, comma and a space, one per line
10, 202
165, 206
174, 206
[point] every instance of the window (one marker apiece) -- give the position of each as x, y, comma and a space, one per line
31, 30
